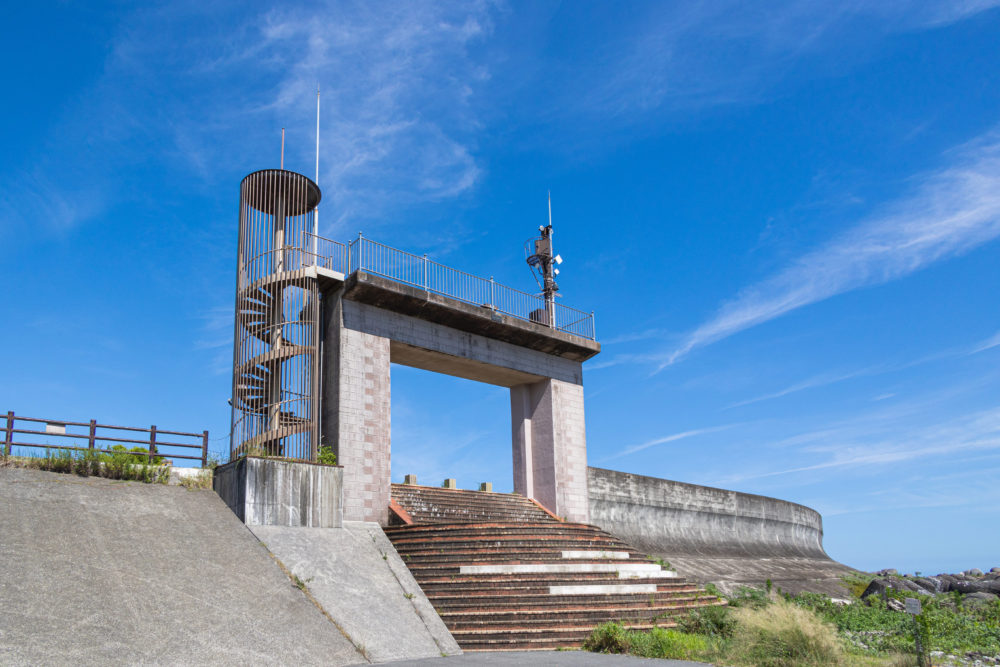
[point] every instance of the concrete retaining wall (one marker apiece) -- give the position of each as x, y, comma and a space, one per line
265, 492
713, 534
656, 513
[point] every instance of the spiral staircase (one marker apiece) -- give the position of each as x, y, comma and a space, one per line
277, 319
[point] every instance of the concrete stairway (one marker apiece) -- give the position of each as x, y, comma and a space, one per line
500, 583
428, 504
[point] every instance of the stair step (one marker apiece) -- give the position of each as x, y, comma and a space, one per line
504, 575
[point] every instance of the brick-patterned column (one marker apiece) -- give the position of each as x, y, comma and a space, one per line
550, 446
356, 413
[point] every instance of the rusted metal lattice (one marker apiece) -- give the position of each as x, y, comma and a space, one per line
275, 355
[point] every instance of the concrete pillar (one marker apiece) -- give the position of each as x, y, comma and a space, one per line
550, 446
356, 413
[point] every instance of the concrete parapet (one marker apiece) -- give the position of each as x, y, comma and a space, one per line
268, 492
715, 535
656, 513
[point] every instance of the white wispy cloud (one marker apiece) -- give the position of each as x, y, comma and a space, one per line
399, 122
683, 435
881, 443
826, 379
692, 55
949, 213
398, 82
821, 380
988, 344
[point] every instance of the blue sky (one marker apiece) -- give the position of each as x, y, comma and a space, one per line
784, 214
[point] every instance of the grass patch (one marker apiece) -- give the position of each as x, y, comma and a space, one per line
782, 634
119, 463
202, 480
656, 643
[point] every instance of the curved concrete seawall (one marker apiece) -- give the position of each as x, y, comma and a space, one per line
715, 535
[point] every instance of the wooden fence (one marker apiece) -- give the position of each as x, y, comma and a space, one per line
91, 436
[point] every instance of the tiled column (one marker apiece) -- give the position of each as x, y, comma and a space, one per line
550, 446
356, 414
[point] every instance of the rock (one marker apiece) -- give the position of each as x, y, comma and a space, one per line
907, 585
965, 587
929, 584
995, 569
876, 587
895, 605
978, 598
974, 572
887, 572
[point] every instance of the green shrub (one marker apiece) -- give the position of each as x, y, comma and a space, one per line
753, 598
714, 621
608, 638
326, 456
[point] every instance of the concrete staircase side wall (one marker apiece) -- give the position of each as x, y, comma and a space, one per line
355, 574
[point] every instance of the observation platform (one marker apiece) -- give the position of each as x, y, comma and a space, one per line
382, 292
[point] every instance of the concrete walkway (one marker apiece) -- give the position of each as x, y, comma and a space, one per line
544, 659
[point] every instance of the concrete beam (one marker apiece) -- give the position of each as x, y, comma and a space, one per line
399, 298
446, 364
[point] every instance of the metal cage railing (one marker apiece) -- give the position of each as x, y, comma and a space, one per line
275, 355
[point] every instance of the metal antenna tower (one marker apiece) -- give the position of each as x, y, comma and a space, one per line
543, 262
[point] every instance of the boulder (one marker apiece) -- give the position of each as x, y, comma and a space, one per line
930, 585
887, 572
995, 569
879, 586
876, 587
979, 598
965, 586
974, 572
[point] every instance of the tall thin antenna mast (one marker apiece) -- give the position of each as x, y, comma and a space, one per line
316, 215
282, 148
543, 261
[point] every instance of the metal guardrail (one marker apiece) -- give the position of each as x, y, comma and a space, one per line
419, 271
80, 433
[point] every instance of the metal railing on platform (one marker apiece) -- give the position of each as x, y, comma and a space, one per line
419, 271
95, 437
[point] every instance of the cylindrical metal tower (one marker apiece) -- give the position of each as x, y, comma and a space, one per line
275, 351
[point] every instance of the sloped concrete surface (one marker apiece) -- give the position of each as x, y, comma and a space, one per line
791, 574
715, 535
94, 571
356, 575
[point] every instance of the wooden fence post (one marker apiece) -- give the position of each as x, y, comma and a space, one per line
10, 433
204, 449
93, 433
152, 443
